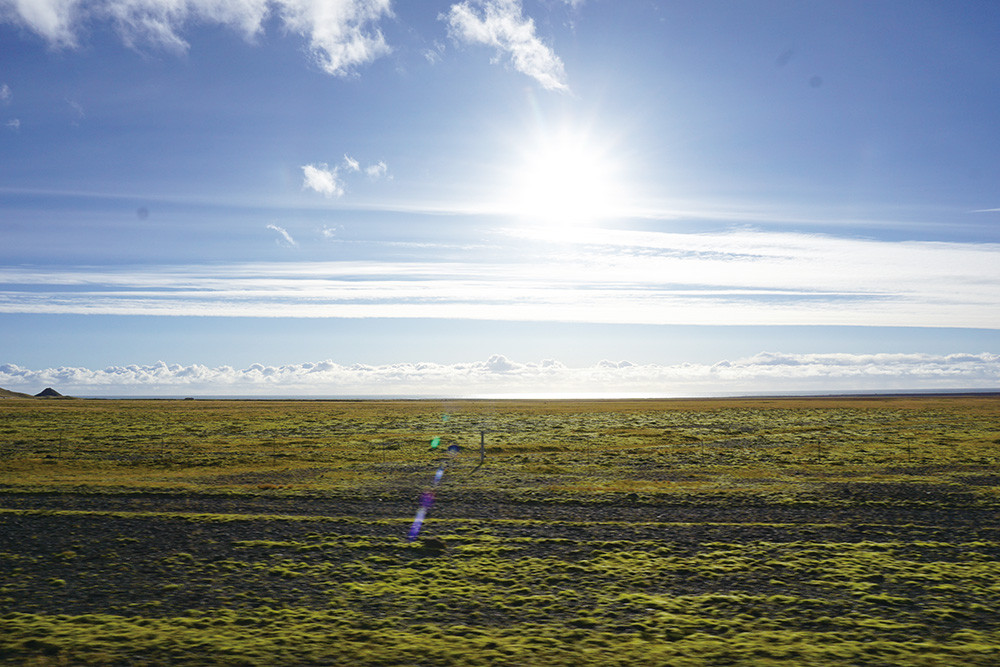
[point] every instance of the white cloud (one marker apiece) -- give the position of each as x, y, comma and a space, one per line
341, 33
338, 30
54, 20
323, 179
327, 180
286, 238
5, 94
377, 170
14, 123
499, 375
500, 24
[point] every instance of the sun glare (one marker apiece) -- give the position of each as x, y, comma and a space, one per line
565, 180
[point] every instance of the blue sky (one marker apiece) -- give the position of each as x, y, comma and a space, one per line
498, 197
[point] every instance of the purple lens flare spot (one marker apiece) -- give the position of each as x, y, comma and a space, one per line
427, 497
426, 500
417, 522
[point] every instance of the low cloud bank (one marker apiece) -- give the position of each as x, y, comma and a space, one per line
765, 372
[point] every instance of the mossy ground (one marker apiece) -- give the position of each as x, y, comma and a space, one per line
768, 532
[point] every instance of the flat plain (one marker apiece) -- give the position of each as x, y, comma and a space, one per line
810, 531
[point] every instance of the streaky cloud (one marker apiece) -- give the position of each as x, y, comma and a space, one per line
737, 278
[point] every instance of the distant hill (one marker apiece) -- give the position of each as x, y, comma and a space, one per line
7, 393
48, 392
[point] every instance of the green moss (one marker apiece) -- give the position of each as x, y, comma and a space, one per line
312, 589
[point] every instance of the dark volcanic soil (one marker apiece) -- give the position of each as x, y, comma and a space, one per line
126, 564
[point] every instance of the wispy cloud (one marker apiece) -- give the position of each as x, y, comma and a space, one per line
76, 108
497, 375
342, 34
286, 238
434, 55
323, 179
158, 22
501, 24
373, 171
377, 170
744, 278
328, 181
6, 95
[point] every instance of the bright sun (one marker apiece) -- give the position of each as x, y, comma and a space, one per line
565, 180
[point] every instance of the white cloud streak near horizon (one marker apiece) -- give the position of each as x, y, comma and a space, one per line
498, 375
598, 276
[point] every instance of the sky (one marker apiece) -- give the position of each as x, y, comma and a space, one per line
499, 197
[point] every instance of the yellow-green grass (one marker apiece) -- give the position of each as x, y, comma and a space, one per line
771, 446
748, 532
